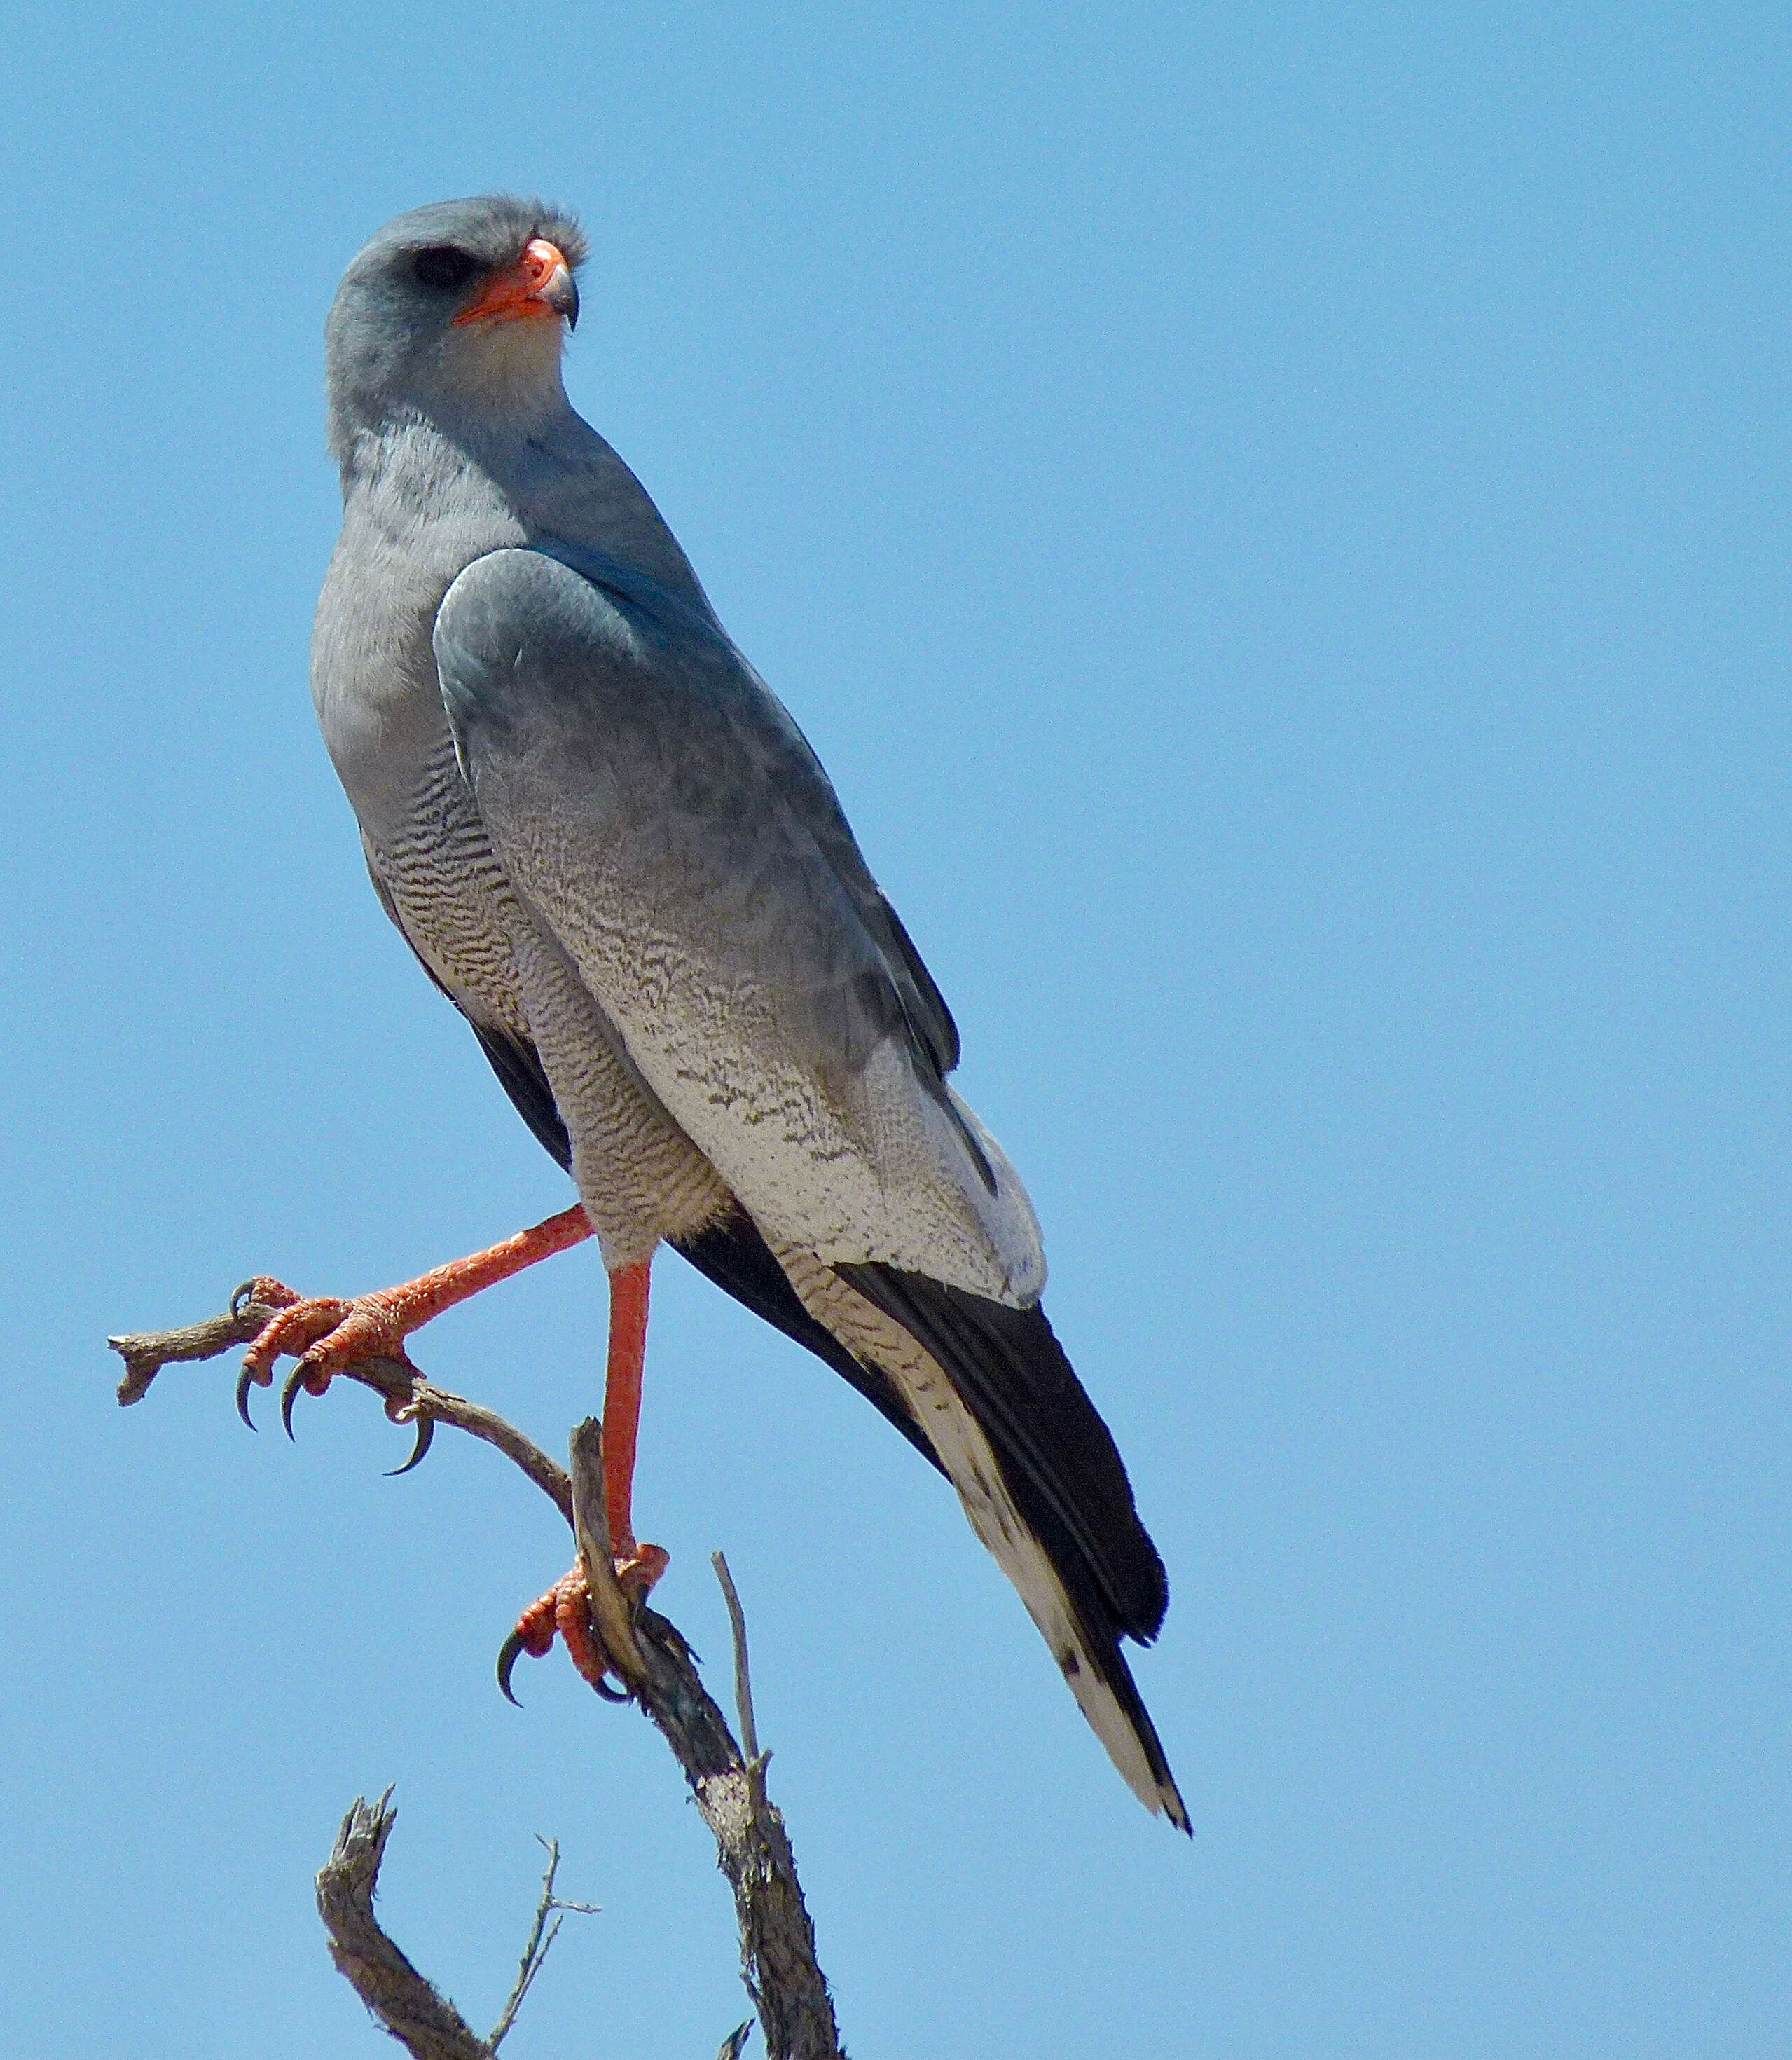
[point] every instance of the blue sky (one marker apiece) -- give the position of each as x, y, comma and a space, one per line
1276, 522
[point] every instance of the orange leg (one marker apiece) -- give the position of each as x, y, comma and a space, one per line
327, 1334
567, 1605
628, 1355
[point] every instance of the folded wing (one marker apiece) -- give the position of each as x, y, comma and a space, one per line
663, 819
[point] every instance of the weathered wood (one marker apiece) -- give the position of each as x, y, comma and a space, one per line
649, 1656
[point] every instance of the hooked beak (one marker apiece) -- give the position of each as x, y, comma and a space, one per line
539, 285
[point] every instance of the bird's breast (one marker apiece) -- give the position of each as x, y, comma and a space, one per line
378, 699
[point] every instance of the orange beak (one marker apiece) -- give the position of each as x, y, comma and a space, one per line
540, 285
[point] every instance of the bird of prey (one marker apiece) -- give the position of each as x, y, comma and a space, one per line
611, 847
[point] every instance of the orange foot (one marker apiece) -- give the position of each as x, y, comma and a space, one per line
327, 1335
566, 1608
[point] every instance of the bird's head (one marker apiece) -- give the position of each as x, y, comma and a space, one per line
460, 308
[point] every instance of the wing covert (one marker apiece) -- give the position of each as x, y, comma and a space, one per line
658, 812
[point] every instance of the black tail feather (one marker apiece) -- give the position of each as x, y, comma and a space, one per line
1059, 1458
1062, 1468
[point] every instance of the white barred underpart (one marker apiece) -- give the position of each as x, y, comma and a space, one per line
640, 1178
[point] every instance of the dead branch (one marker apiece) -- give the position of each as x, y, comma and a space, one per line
647, 1653
743, 1678
537, 1947
408, 1397
777, 1941
422, 2020
416, 2013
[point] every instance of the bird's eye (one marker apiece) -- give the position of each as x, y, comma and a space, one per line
444, 268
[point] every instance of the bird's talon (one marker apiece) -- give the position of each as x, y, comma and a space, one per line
571, 1597
426, 1432
271, 1294
245, 1381
288, 1395
512, 1647
533, 1633
564, 1609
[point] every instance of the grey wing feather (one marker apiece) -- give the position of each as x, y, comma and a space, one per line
729, 1252
658, 811
791, 772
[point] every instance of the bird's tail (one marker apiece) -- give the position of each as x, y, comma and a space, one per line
1043, 1483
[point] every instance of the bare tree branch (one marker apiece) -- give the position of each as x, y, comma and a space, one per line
743, 1678
646, 1651
416, 2013
613, 1620
777, 1941
147, 1352
422, 2020
408, 1397
537, 1948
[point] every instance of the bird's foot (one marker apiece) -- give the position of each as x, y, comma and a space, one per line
565, 1609
638, 1569
325, 1334
329, 1335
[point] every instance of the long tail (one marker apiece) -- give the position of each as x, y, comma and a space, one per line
1038, 1474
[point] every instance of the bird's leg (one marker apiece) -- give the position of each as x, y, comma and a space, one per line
327, 1334
566, 1606
628, 1355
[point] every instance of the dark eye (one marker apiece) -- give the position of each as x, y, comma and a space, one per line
445, 269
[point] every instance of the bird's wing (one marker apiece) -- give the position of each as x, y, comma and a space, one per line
659, 813
784, 756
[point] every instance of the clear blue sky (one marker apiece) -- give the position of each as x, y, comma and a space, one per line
1276, 520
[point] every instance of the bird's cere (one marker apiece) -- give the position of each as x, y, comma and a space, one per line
539, 285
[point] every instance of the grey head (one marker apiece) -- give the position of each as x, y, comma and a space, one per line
456, 310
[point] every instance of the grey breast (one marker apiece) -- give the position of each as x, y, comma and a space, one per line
379, 705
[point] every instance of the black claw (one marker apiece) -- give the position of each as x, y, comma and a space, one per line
507, 1658
245, 1381
288, 1395
244, 1295
613, 1694
426, 1432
